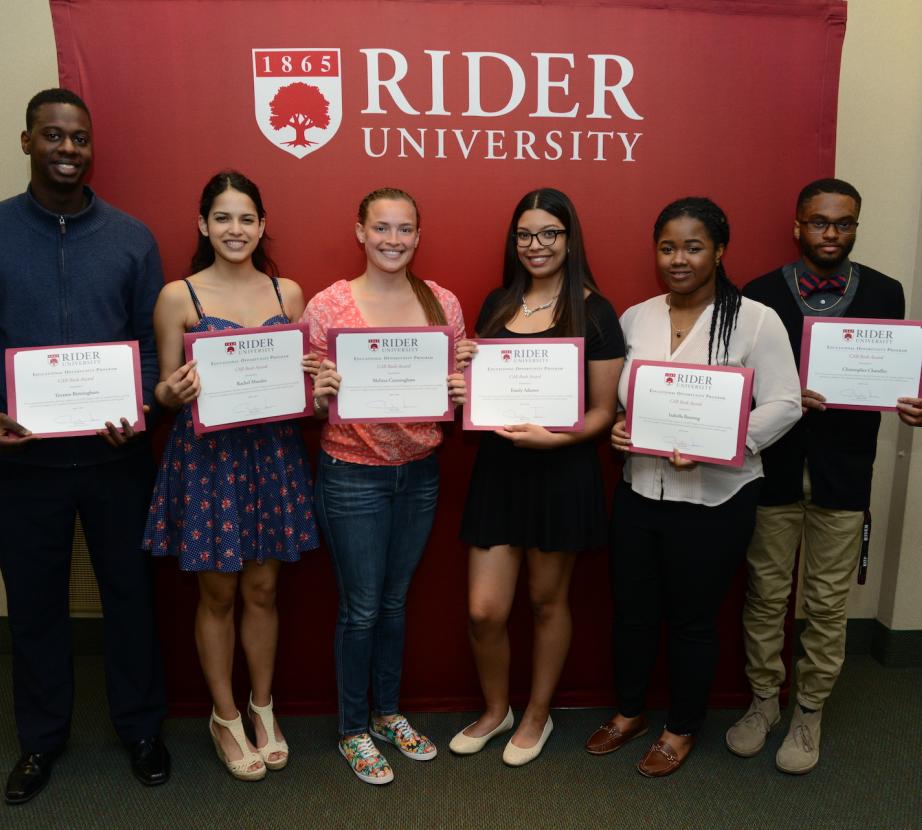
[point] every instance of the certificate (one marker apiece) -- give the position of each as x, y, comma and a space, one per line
526, 381
249, 376
392, 375
701, 411
860, 363
73, 390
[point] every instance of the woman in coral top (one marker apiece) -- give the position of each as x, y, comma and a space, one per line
377, 486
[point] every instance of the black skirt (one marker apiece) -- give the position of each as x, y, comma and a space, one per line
552, 500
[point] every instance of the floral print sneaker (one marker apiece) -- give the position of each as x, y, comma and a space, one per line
396, 729
366, 762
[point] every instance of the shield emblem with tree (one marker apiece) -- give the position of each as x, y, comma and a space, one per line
297, 97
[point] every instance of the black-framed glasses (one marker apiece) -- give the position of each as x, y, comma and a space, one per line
545, 238
816, 225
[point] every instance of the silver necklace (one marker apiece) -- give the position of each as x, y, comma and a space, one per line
529, 311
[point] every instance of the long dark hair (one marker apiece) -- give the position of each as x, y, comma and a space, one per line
217, 184
570, 310
727, 297
435, 314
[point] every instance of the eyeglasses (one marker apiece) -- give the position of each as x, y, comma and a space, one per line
545, 238
843, 226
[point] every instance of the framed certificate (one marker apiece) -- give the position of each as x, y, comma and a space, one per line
249, 376
861, 363
701, 411
392, 374
526, 381
73, 390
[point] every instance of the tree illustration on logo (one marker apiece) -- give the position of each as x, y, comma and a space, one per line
301, 106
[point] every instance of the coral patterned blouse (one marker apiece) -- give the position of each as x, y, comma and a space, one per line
377, 444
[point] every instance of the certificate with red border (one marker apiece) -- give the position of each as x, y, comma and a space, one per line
393, 374
701, 411
861, 362
249, 376
73, 390
534, 380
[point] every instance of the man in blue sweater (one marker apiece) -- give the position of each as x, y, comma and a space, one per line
73, 270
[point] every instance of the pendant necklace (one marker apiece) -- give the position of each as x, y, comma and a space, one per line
529, 311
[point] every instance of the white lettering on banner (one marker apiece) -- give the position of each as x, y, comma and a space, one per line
375, 83
545, 84
599, 87
437, 58
491, 144
390, 86
390, 82
473, 84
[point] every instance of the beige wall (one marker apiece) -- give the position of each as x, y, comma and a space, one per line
28, 63
879, 149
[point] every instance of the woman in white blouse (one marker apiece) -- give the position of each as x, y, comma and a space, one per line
680, 528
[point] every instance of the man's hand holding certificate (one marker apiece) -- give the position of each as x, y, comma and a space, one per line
701, 411
856, 363
75, 390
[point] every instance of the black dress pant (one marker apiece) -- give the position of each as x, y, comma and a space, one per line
38, 506
673, 561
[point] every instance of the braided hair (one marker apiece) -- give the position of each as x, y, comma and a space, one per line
727, 297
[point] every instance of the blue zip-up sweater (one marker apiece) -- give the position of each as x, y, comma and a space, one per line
93, 276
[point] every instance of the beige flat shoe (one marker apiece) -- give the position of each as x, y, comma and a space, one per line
273, 746
240, 768
518, 756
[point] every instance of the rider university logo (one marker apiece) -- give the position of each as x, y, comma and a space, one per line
670, 378
298, 97
848, 334
230, 346
53, 359
373, 344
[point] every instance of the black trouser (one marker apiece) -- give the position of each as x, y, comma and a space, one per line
37, 510
673, 561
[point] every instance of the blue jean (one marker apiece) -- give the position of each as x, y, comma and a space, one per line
376, 521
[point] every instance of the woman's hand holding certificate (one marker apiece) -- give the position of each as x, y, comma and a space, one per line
391, 375
526, 381
248, 376
700, 411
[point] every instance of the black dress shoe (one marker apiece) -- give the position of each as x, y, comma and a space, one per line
150, 761
29, 777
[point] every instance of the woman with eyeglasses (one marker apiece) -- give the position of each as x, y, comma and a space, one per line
680, 528
536, 495
377, 486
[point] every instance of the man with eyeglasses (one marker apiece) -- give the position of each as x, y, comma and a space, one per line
817, 485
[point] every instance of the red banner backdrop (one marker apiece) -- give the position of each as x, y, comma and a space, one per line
623, 105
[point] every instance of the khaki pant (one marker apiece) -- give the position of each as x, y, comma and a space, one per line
830, 549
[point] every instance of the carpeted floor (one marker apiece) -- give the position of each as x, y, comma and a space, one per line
869, 777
